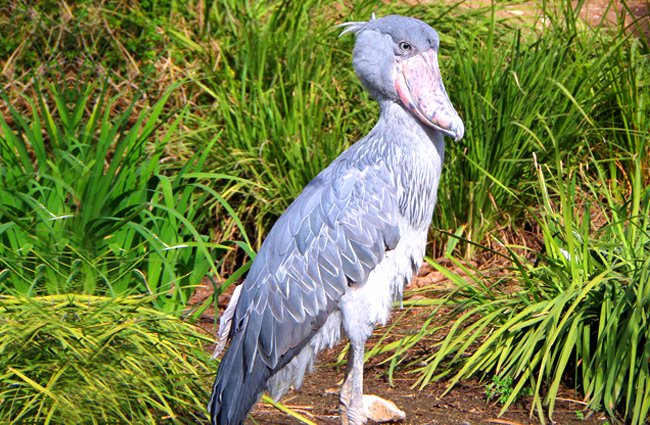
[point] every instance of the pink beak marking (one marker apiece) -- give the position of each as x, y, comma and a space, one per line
420, 88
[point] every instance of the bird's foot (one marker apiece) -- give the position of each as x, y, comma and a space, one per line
343, 411
352, 415
381, 411
374, 409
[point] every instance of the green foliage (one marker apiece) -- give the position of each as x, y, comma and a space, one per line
112, 35
273, 82
100, 194
517, 91
580, 311
499, 389
274, 79
95, 360
87, 207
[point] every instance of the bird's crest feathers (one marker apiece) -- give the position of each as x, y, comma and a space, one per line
354, 26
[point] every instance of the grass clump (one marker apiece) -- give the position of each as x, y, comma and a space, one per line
274, 84
84, 39
88, 206
288, 100
99, 196
500, 389
96, 360
559, 92
576, 315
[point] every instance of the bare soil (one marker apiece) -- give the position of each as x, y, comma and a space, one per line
465, 404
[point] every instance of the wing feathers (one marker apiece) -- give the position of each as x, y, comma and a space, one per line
305, 236
332, 236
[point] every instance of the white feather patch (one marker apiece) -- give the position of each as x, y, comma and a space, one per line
225, 323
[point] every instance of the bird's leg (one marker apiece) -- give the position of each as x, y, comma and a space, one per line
351, 401
346, 390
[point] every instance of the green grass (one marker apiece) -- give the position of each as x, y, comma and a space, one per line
577, 313
87, 206
269, 87
274, 84
287, 99
210, 118
518, 91
96, 360
557, 140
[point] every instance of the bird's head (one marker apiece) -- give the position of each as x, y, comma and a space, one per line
396, 58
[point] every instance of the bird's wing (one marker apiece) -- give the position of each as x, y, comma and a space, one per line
330, 238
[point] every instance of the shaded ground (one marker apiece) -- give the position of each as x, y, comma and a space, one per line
466, 404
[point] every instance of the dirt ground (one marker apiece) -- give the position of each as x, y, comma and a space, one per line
635, 13
465, 404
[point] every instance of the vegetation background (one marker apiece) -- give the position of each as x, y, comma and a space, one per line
146, 148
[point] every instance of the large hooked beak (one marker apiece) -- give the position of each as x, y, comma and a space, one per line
420, 88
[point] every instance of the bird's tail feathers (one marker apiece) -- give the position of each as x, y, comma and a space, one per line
238, 385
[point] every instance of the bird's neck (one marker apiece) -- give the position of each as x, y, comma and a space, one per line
403, 126
415, 153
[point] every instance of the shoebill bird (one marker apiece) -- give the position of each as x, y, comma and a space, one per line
343, 251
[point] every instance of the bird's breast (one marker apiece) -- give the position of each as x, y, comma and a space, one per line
363, 307
414, 159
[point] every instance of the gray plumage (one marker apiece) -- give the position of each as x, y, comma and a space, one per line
350, 242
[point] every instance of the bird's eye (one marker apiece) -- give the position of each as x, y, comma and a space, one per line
405, 46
